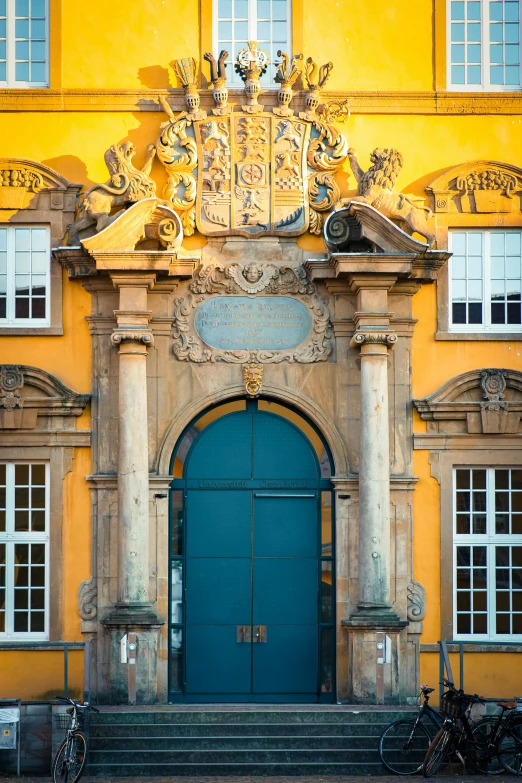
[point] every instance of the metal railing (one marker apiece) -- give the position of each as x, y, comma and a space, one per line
458, 646
65, 646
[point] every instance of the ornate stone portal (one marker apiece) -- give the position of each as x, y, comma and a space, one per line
175, 332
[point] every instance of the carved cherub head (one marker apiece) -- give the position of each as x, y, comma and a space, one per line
252, 273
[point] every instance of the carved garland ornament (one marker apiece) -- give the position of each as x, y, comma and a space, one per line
215, 279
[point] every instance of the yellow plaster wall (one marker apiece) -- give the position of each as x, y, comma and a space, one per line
374, 46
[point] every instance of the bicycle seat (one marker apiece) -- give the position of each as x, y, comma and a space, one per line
506, 705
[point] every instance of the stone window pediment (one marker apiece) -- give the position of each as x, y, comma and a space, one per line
32, 194
30, 397
477, 187
485, 401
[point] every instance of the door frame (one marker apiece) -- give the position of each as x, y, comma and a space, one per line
178, 485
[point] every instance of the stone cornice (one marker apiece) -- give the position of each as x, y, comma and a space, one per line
359, 102
434, 441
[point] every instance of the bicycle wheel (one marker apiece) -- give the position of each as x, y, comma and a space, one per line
403, 745
70, 760
509, 749
482, 752
437, 752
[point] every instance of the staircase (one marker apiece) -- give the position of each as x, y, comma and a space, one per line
204, 741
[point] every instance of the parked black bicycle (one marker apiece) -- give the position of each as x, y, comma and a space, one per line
509, 742
70, 759
404, 743
472, 742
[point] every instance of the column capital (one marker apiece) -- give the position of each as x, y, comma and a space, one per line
136, 337
133, 280
360, 339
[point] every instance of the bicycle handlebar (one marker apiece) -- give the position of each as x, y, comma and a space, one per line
473, 697
76, 703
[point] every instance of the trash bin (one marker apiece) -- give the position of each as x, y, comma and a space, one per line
9, 725
10, 729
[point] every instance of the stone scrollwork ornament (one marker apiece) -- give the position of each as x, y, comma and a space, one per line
177, 151
253, 377
416, 602
87, 599
11, 381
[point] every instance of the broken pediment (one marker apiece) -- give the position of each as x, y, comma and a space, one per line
28, 392
27, 184
479, 401
481, 186
147, 225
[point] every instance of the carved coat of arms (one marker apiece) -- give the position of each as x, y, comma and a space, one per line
251, 172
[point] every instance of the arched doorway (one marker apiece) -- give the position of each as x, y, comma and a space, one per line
252, 558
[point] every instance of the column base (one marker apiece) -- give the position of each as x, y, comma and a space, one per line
375, 617
142, 620
133, 616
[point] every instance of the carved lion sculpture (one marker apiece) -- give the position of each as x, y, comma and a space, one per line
126, 186
376, 187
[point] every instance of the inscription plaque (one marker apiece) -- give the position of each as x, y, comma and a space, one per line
253, 323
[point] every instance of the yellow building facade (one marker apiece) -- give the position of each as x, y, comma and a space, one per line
403, 80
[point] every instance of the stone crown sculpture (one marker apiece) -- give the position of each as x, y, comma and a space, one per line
186, 70
287, 72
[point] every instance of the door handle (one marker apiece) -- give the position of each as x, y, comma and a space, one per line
260, 634
243, 634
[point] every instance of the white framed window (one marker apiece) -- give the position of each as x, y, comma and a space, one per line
488, 553
485, 280
24, 550
483, 45
25, 265
235, 22
24, 43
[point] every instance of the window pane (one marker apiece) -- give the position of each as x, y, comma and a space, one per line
177, 522
457, 10
326, 592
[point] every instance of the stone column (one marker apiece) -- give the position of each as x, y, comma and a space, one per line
374, 475
133, 611
374, 338
132, 336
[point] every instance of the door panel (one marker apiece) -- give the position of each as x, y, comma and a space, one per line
224, 450
287, 662
216, 663
285, 591
281, 450
219, 523
219, 590
285, 526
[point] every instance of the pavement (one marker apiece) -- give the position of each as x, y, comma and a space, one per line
276, 779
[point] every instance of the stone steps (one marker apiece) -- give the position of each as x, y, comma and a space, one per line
205, 742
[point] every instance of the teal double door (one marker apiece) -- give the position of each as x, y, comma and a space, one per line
253, 592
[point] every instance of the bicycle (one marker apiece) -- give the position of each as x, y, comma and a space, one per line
71, 756
404, 743
474, 741
509, 742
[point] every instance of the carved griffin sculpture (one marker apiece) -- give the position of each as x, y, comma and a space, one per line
127, 185
377, 188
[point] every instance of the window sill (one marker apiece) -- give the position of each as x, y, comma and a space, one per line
479, 336
31, 331
483, 647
